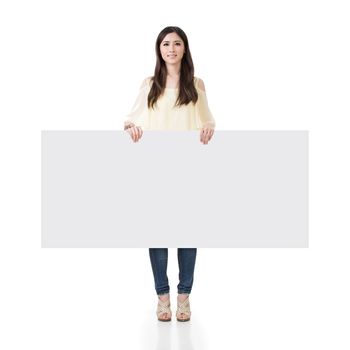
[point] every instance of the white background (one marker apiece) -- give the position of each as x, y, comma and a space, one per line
266, 65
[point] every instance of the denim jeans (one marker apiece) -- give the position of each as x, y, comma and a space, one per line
159, 261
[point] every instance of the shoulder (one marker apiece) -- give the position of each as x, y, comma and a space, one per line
199, 83
146, 82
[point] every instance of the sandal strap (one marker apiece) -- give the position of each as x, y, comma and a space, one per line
163, 306
184, 307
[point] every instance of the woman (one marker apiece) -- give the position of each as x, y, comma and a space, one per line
173, 99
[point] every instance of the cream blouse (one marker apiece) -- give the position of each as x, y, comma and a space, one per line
165, 116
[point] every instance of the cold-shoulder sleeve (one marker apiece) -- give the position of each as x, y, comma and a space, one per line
139, 110
202, 107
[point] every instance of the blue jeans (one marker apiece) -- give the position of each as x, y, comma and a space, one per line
159, 261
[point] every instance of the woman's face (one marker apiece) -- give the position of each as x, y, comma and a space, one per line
172, 48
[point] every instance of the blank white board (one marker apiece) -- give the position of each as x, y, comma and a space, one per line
242, 189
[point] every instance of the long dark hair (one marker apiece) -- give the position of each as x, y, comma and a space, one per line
187, 90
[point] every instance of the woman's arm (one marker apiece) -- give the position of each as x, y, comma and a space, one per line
138, 111
139, 107
205, 114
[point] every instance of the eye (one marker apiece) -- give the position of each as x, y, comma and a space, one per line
166, 44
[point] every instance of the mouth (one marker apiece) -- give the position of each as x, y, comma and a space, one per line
172, 56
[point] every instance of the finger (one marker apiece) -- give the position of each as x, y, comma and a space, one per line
136, 134
130, 133
133, 134
206, 135
210, 135
201, 135
140, 132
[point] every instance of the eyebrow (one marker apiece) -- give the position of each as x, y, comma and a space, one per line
166, 41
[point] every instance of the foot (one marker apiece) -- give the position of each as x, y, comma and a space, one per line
183, 312
163, 308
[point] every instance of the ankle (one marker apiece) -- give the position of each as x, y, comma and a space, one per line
163, 297
182, 297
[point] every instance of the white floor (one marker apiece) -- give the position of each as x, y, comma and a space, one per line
241, 299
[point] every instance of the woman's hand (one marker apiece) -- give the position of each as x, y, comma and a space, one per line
206, 134
135, 132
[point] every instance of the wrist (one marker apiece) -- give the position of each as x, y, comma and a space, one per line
129, 125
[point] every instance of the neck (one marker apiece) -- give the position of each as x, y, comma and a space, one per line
174, 70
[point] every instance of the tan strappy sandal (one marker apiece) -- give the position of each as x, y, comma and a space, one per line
162, 308
183, 312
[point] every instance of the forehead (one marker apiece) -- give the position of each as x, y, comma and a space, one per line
172, 37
